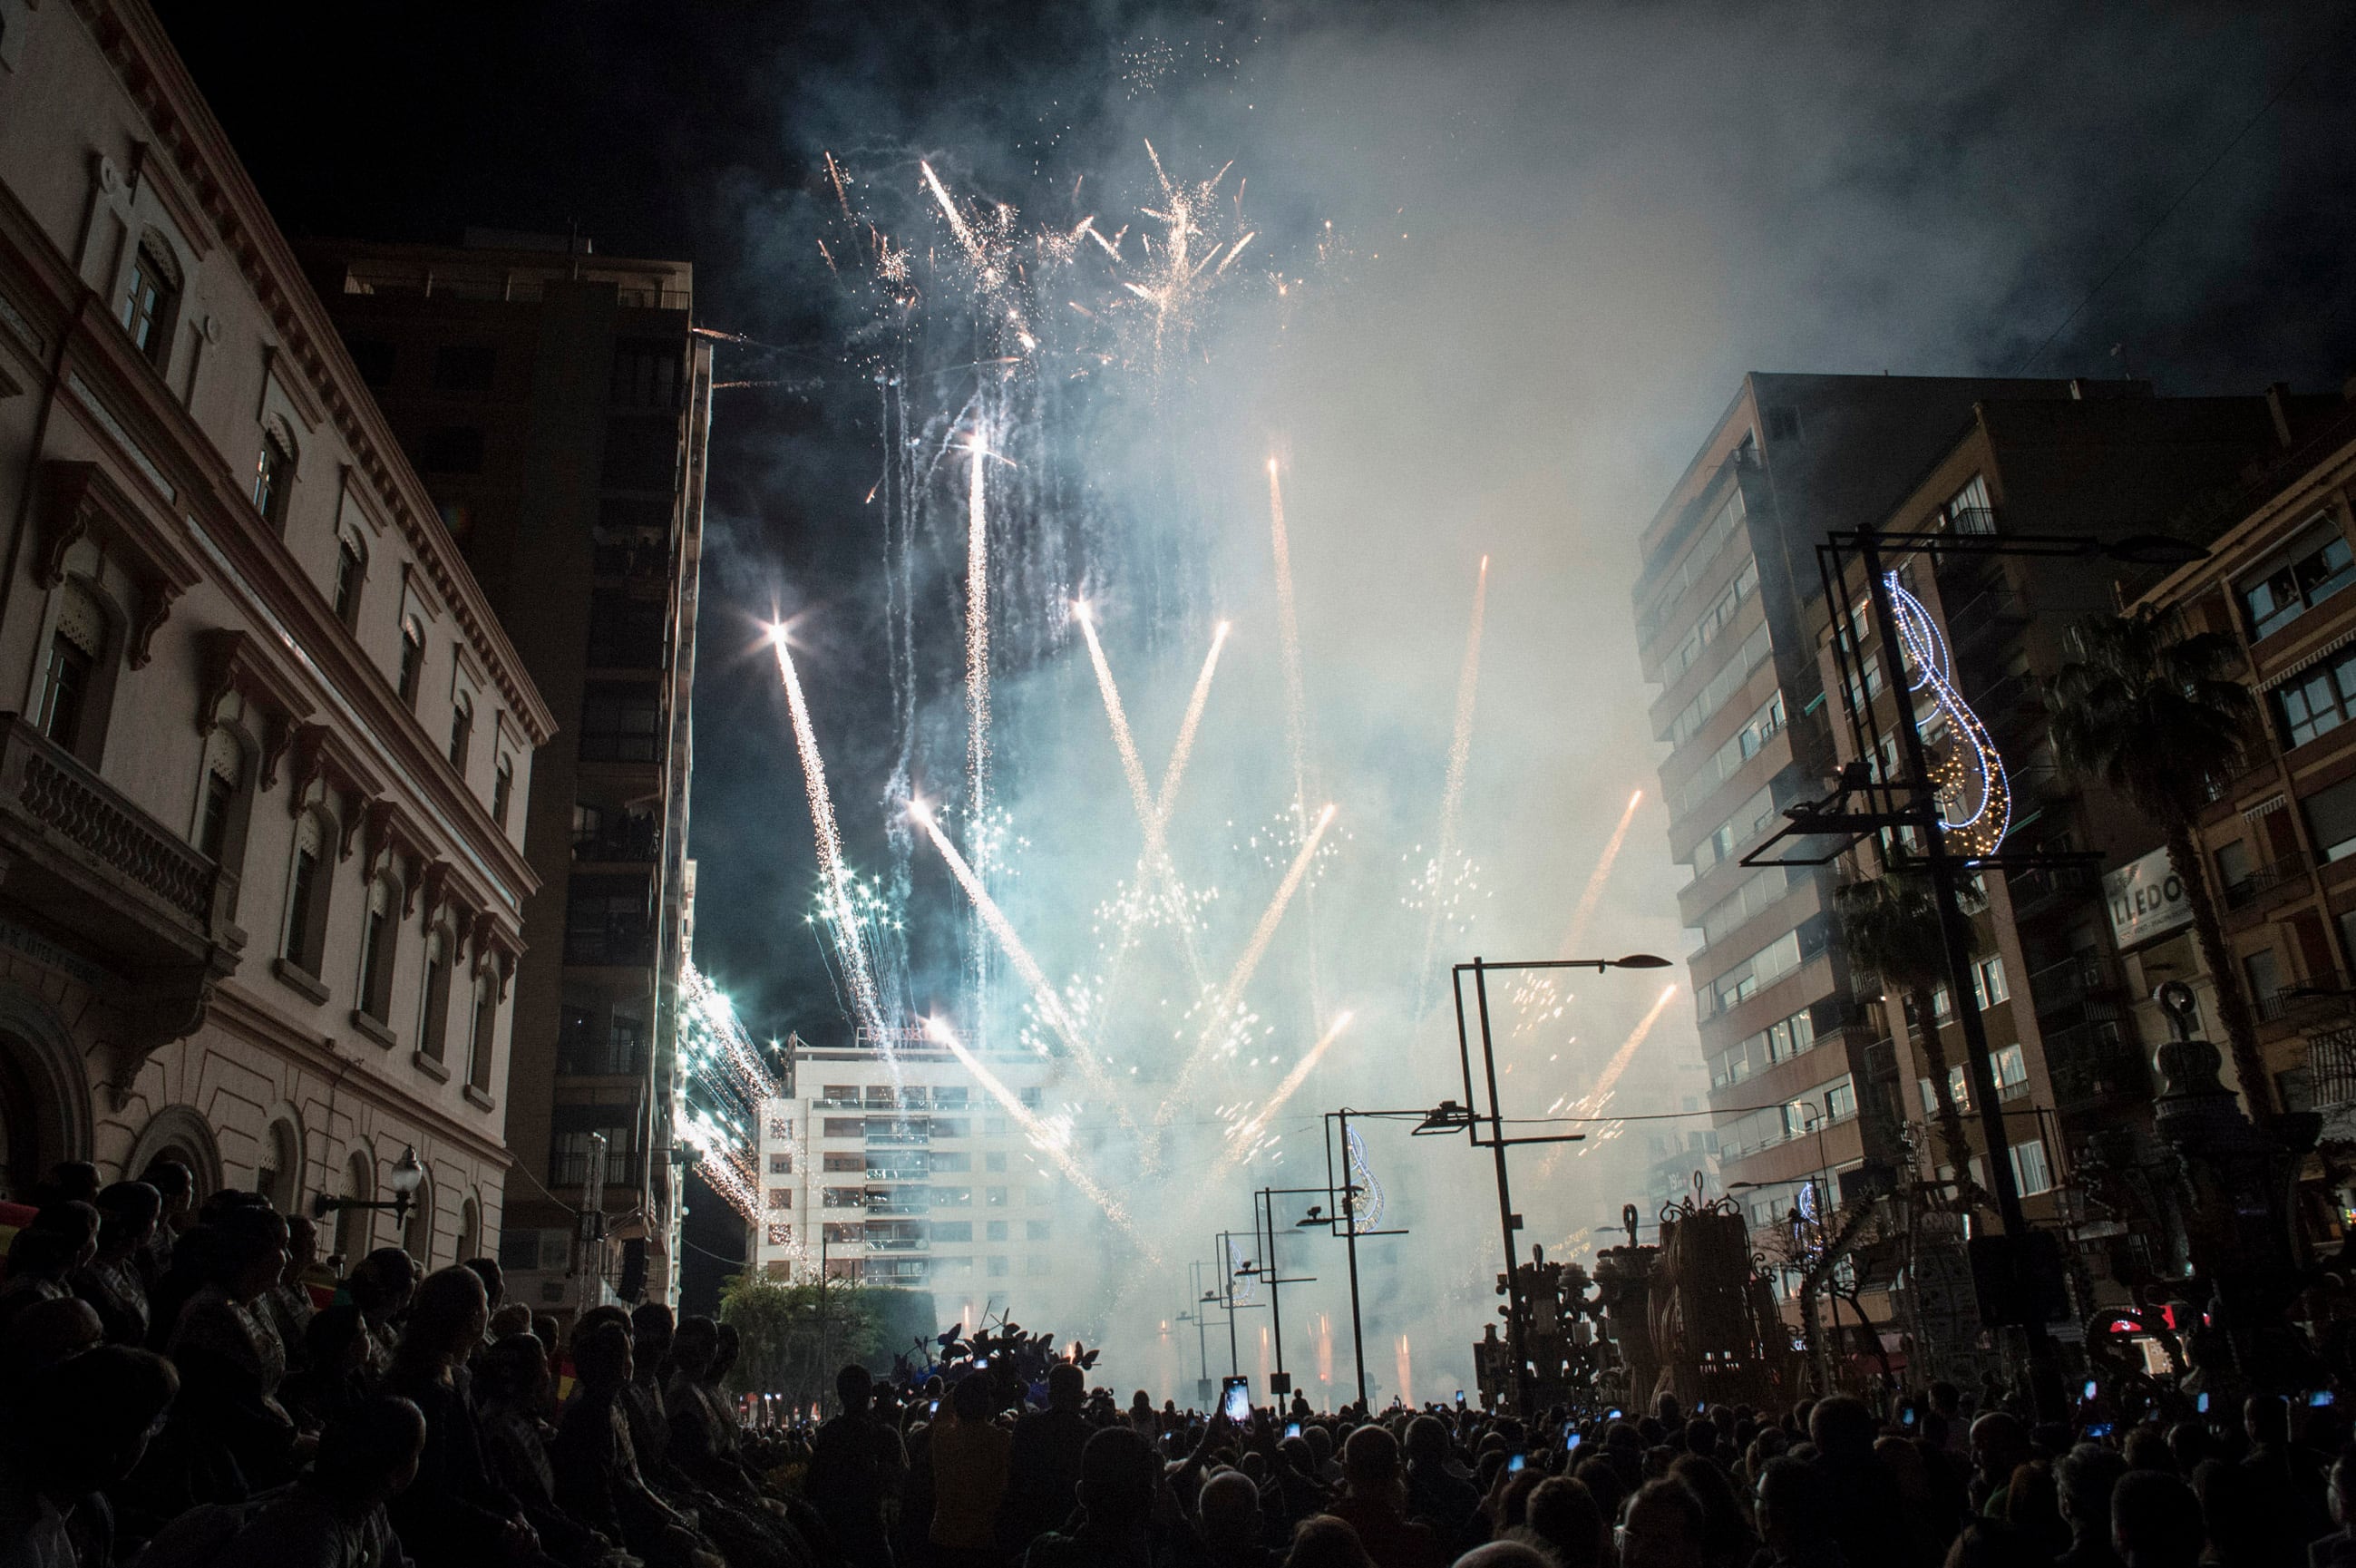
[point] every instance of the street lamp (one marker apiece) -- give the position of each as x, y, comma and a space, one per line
1470, 1118
1264, 1226
404, 1178
1346, 1224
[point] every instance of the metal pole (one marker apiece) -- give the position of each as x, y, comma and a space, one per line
1956, 929
1227, 1296
1275, 1283
1505, 1217
1350, 1238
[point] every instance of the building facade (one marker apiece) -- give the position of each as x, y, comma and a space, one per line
900, 1168
556, 403
1724, 632
263, 774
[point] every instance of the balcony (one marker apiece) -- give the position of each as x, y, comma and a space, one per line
2095, 1062
2331, 1065
642, 556
635, 839
2076, 982
2043, 890
137, 897
622, 942
2246, 891
622, 1057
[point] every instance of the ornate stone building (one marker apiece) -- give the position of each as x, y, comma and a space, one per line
266, 752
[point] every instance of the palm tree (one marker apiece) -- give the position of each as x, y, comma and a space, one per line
1890, 925
2158, 717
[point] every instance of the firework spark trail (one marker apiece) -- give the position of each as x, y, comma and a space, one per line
1043, 1138
1131, 767
1459, 757
1240, 977
1049, 1004
965, 236
977, 634
1597, 1097
1168, 797
1296, 698
1248, 1132
855, 965
1593, 894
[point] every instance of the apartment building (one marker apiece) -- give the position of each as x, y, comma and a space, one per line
263, 780
2055, 968
899, 1167
1723, 630
2280, 843
556, 402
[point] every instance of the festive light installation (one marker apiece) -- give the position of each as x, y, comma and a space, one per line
1970, 772
1367, 1206
724, 1082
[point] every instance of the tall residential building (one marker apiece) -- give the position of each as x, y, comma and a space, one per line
1723, 629
556, 403
903, 1169
262, 878
2055, 968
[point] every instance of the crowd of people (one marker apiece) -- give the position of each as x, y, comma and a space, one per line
178, 1389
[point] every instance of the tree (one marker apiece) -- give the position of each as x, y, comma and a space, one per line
797, 1334
1890, 925
2158, 717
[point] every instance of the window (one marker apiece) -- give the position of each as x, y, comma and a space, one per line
952, 1230
619, 723
451, 449
1840, 1100
781, 1197
2316, 702
606, 921
151, 301
412, 660
502, 789
781, 1164
1713, 621
840, 1233
71, 672
2331, 819
2311, 570
1034, 1230
2030, 1171
1988, 985
462, 731
640, 454
2262, 968
273, 475
483, 1031
464, 367
572, 1147
1693, 568
2010, 1069
307, 897
351, 571
843, 1197
835, 1161
1968, 510
1729, 680
212, 813
994, 1161
626, 633
993, 1197
434, 1008
378, 929
998, 1268
646, 374
1779, 1041
944, 1160
844, 1127
780, 1235
1000, 1230
952, 1197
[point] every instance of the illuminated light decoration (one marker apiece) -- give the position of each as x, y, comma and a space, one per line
1969, 773
1244, 1286
724, 1081
1367, 1206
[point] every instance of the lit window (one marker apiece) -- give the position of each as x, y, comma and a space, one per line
273, 477
2311, 570
150, 301
412, 659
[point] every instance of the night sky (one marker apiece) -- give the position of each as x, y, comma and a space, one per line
2041, 160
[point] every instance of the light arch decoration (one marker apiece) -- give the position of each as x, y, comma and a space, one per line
1967, 779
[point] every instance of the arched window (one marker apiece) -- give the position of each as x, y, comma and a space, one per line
434, 1013
412, 660
462, 731
70, 680
379, 933
483, 1031
356, 1228
470, 1229
274, 473
151, 300
502, 790
218, 829
351, 573
308, 881
278, 1172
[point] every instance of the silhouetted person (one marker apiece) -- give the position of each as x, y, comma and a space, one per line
1374, 1503
230, 1429
856, 1462
2155, 1521
1563, 1519
511, 1393
597, 1477
2086, 1475
1119, 1477
2338, 1550
458, 1513
1868, 1523
44, 1256
334, 1516
128, 1212
176, 1184
1664, 1528
1227, 1515
289, 1302
1794, 1505
968, 1455
381, 1285
1436, 1494
80, 1428
1322, 1541
334, 1380
1044, 1464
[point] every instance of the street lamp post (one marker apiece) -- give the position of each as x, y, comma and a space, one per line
1347, 1221
1471, 1118
1264, 1223
405, 1177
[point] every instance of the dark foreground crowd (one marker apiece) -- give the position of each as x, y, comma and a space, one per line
174, 1394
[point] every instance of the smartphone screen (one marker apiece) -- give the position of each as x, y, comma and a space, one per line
2201, 1404
2088, 1392
1612, 1414
1517, 1462
2320, 1400
1293, 1429
1906, 1416
1234, 1400
1459, 1396
1571, 1441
